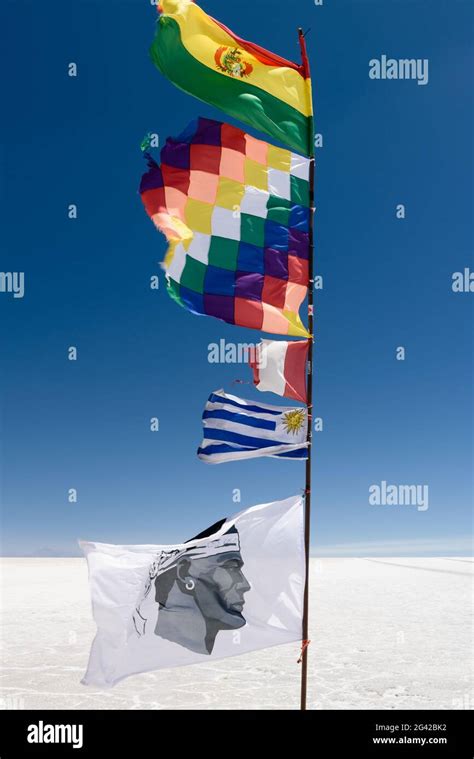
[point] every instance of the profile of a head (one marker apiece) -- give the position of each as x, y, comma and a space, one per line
200, 591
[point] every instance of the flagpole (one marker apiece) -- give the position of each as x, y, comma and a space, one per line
307, 514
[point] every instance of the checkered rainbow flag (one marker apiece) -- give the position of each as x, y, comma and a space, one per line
235, 212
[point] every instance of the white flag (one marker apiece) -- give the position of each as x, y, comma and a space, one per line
235, 587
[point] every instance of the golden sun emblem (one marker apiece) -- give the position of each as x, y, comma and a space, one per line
294, 420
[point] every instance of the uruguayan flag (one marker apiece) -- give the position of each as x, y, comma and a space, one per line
238, 429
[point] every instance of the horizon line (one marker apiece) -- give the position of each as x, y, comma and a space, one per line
435, 547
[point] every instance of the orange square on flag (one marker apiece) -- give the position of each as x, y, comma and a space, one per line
274, 321
248, 313
203, 186
256, 149
295, 295
175, 202
232, 165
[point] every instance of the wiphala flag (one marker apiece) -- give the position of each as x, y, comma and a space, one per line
235, 211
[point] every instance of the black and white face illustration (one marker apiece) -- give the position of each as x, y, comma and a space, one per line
200, 591
209, 595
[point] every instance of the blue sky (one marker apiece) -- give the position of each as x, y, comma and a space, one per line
387, 283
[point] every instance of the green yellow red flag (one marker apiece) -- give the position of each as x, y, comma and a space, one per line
205, 59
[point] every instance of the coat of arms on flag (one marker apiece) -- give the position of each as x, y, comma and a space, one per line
233, 588
229, 61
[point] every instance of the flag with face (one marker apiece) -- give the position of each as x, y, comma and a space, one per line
234, 588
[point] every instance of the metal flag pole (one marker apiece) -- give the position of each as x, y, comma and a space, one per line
307, 514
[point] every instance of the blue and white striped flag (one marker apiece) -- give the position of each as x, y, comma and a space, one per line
238, 429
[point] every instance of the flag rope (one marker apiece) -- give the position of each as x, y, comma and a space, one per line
304, 646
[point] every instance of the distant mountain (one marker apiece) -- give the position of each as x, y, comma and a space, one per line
45, 553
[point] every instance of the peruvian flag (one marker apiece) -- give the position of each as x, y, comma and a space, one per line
279, 366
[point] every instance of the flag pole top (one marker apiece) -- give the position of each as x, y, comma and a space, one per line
304, 54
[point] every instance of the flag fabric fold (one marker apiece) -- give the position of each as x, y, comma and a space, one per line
205, 59
236, 429
235, 587
279, 366
235, 211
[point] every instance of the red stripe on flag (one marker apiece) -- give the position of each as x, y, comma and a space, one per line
295, 370
262, 55
254, 364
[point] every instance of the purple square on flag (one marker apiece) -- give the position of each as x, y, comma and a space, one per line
220, 306
276, 263
208, 132
176, 154
249, 285
152, 180
298, 243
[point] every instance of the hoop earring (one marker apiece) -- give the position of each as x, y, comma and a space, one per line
190, 585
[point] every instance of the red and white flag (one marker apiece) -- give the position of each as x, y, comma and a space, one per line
279, 366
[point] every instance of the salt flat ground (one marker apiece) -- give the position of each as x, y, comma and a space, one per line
386, 633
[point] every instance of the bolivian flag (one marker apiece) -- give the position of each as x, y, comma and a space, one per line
204, 58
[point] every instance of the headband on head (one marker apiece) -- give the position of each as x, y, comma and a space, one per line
169, 559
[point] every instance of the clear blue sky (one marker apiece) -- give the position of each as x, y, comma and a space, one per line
387, 283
